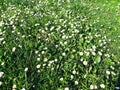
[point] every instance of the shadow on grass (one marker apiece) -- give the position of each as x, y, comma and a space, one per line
118, 84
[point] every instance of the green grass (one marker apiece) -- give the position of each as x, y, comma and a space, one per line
59, 45
114, 34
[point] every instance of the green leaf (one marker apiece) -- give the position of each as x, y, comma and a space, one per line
98, 59
1, 53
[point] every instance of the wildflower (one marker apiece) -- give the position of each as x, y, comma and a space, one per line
61, 43
74, 50
19, 46
113, 73
2, 63
99, 53
13, 49
107, 55
52, 69
93, 87
36, 52
117, 88
85, 76
14, 86
74, 72
26, 69
33, 86
51, 28
63, 37
61, 79
66, 88
76, 82
37, 24
43, 31
94, 47
81, 53
101, 44
23, 36
18, 33
1, 23
102, 85
39, 55
23, 89
43, 52
45, 59
38, 71
108, 72
0, 83
87, 53
81, 59
4, 42
72, 76
44, 65
112, 67
93, 53
65, 42
49, 64
1, 74
85, 63
38, 66
56, 60
63, 54
56, 46
1, 33
38, 59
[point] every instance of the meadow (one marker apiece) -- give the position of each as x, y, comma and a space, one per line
59, 45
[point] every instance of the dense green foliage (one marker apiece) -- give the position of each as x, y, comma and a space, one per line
59, 45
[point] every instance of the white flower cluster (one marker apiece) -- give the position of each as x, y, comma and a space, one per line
57, 40
1, 75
